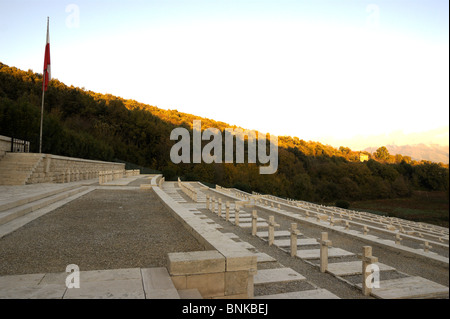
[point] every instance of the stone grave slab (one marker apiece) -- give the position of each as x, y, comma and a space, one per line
408, 288
352, 268
249, 225
264, 276
300, 242
315, 253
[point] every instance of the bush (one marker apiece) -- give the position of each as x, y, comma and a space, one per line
342, 204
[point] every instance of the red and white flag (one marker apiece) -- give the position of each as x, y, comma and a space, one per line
47, 73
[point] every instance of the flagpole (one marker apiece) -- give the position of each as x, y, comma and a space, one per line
43, 93
42, 113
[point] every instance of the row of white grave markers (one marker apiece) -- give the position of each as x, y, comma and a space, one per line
366, 229
211, 205
441, 234
366, 257
106, 176
188, 190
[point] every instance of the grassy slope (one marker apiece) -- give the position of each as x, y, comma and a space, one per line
427, 207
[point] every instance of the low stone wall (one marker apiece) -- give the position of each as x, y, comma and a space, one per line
224, 270
61, 169
107, 176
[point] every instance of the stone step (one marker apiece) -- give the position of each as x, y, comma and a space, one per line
13, 213
266, 276
32, 198
409, 288
306, 294
277, 233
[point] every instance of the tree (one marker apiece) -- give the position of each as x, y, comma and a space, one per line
382, 154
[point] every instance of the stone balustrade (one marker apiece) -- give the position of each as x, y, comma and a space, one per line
188, 190
60, 169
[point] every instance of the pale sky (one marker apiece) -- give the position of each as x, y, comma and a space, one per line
339, 71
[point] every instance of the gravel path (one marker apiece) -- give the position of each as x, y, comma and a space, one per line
104, 229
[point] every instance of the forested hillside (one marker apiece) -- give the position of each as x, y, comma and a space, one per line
86, 124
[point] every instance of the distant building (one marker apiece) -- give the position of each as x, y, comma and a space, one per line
363, 157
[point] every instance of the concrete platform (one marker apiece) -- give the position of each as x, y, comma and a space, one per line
306, 294
408, 288
315, 253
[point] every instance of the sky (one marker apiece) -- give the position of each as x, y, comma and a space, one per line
342, 72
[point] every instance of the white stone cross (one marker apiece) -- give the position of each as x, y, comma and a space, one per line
272, 225
254, 222
331, 221
294, 233
367, 260
426, 246
219, 207
398, 239
347, 225
365, 230
324, 244
213, 204
236, 215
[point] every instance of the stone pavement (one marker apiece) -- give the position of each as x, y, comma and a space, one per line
131, 283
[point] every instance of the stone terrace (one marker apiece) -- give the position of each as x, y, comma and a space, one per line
139, 236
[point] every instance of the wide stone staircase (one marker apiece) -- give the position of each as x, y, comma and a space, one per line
16, 168
21, 204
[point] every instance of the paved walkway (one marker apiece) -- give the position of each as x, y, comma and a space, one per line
130, 283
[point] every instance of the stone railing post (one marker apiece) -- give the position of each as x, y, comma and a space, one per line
236, 215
